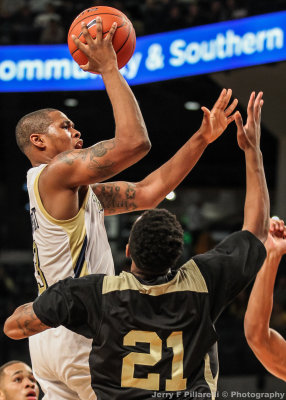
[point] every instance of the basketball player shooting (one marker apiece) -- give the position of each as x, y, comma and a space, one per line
67, 218
67, 204
153, 328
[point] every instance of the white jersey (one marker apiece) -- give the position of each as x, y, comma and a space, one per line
62, 248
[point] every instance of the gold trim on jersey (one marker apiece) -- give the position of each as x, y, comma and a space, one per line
188, 278
76, 233
210, 379
74, 227
84, 270
60, 222
40, 276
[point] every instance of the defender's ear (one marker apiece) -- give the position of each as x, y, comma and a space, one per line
127, 251
37, 139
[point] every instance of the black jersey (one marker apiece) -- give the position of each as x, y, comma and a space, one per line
155, 339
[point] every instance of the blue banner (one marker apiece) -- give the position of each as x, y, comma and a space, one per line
193, 51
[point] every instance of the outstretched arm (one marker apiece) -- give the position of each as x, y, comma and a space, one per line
64, 303
105, 159
256, 208
23, 323
120, 197
267, 344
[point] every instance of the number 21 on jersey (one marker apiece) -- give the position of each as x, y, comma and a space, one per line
152, 382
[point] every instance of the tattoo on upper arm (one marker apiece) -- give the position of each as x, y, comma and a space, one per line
130, 192
68, 157
28, 322
115, 198
92, 155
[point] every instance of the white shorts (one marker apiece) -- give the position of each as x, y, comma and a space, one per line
60, 364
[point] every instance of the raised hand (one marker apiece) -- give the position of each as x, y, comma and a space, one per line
99, 51
276, 240
249, 134
216, 121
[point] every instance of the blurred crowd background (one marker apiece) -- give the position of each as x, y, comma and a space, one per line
208, 211
43, 22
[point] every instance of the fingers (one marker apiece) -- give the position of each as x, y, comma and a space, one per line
257, 106
221, 102
86, 34
98, 29
79, 44
85, 67
276, 225
111, 32
220, 99
254, 108
231, 108
207, 114
230, 119
238, 120
226, 99
277, 228
250, 108
206, 111
88, 38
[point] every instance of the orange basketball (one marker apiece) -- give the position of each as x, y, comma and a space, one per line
124, 39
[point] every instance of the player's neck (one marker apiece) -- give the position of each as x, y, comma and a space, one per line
138, 272
44, 159
143, 275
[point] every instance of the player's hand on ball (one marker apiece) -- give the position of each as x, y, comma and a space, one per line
216, 121
99, 51
248, 136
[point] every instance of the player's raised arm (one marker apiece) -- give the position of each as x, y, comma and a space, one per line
120, 197
104, 160
256, 208
267, 344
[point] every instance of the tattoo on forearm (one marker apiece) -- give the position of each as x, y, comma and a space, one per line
100, 149
28, 322
114, 197
92, 155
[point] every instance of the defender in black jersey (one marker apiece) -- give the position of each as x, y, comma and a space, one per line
153, 328
155, 335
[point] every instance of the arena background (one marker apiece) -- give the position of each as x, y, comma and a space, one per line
209, 203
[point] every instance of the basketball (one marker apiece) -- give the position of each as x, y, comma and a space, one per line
124, 39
